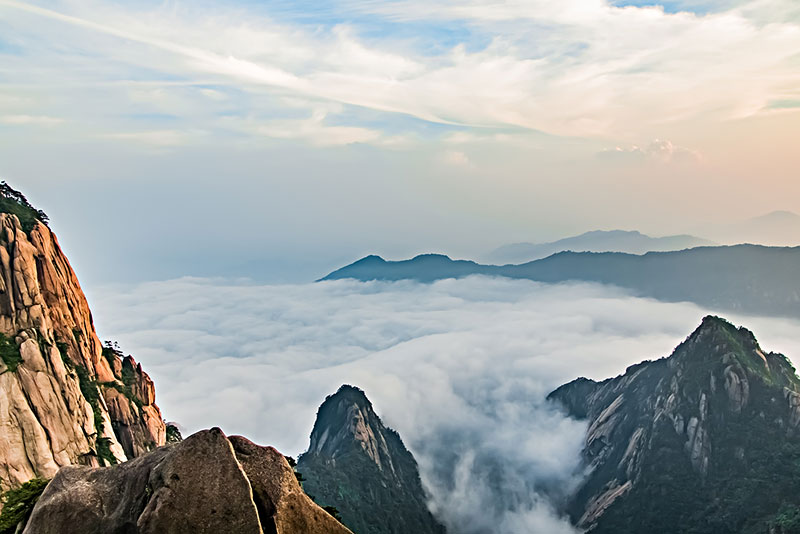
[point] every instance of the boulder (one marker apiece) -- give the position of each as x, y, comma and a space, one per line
207, 483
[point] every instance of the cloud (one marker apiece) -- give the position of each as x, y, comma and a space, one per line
658, 150
158, 138
34, 120
590, 68
459, 368
458, 159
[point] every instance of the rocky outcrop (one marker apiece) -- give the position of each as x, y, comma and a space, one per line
706, 439
207, 483
61, 398
361, 467
131, 398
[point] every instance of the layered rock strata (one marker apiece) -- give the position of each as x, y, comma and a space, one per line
63, 401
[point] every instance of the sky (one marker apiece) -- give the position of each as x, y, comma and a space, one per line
460, 368
280, 140
201, 162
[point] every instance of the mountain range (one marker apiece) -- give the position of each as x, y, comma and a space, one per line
631, 242
777, 228
706, 440
749, 279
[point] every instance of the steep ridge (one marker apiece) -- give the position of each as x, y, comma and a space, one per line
65, 400
704, 441
208, 483
742, 278
361, 467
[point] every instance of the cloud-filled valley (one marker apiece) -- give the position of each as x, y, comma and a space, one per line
459, 367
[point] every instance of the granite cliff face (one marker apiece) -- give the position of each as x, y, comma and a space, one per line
704, 441
208, 483
361, 467
64, 400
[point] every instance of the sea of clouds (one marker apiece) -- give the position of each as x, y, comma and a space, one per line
460, 368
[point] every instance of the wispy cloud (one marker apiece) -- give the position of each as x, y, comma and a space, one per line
658, 150
40, 120
578, 67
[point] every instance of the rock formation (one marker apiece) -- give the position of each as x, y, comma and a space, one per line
63, 399
362, 468
704, 441
207, 483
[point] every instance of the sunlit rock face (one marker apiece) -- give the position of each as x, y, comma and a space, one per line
705, 440
361, 467
64, 398
205, 483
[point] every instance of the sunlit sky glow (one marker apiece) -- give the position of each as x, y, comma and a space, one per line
317, 131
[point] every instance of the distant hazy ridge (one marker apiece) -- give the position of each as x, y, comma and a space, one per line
744, 278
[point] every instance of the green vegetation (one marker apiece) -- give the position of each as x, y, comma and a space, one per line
173, 434
787, 521
9, 352
111, 352
15, 203
18, 504
62, 350
102, 446
299, 476
334, 512
92, 395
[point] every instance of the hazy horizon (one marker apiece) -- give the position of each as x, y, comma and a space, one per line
281, 141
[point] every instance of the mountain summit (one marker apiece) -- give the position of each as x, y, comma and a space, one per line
361, 467
704, 441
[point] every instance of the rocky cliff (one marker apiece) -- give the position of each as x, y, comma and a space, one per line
207, 483
361, 467
704, 441
63, 399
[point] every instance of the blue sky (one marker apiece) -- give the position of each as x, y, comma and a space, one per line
396, 127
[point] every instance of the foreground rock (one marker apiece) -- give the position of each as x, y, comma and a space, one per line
207, 483
705, 441
361, 467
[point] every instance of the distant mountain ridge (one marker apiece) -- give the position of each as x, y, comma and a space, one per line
632, 242
778, 228
742, 278
705, 441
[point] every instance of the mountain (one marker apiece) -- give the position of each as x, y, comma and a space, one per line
207, 483
743, 278
361, 467
703, 441
65, 399
631, 242
778, 228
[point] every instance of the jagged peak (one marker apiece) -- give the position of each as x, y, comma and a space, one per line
723, 339
350, 393
347, 423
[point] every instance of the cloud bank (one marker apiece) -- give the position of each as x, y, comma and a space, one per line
573, 68
459, 368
